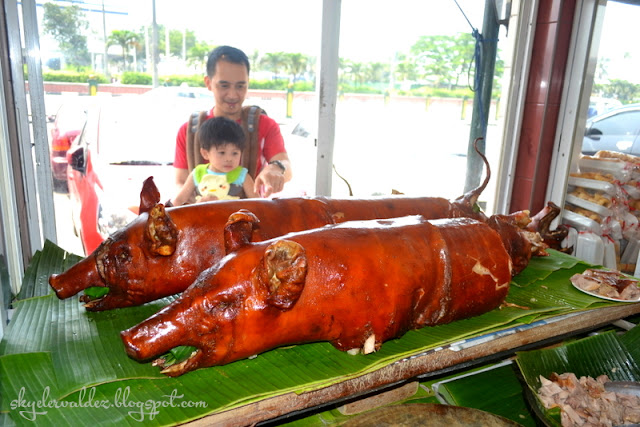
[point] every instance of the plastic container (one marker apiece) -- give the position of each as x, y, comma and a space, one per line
632, 191
593, 184
617, 168
609, 258
590, 248
593, 207
580, 222
571, 240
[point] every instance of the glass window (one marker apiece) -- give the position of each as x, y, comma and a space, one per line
406, 77
619, 124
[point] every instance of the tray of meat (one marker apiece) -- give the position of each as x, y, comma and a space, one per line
609, 285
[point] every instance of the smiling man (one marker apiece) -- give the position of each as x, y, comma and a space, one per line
228, 78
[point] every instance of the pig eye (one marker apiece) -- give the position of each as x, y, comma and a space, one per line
123, 255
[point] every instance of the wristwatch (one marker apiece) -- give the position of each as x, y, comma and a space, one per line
279, 164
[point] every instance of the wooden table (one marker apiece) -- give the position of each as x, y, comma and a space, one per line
481, 349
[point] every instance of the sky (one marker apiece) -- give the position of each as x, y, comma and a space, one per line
371, 30
617, 45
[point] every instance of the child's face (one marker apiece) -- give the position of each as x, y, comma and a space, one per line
223, 158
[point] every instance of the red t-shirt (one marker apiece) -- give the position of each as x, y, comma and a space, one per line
270, 142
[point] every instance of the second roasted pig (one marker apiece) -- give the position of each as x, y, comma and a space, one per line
355, 285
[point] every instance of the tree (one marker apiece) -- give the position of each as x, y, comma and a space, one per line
274, 62
296, 64
462, 55
64, 24
377, 72
124, 39
253, 58
622, 90
444, 59
357, 72
177, 38
405, 68
197, 54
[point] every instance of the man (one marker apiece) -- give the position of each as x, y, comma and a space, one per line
228, 78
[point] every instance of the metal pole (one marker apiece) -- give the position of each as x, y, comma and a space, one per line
39, 181
154, 45
328, 94
482, 100
105, 59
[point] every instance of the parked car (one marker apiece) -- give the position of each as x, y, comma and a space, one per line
599, 105
198, 98
67, 124
124, 141
615, 130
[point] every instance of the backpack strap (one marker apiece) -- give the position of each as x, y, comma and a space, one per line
251, 124
194, 157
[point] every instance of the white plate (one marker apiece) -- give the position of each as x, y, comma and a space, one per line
593, 294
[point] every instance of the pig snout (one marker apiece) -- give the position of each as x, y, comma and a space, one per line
152, 338
79, 277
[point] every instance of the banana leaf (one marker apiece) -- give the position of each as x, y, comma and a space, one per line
606, 353
495, 389
80, 360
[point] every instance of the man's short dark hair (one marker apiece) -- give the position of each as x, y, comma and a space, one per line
218, 131
226, 53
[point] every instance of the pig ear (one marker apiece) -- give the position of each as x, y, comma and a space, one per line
239, 229
285, 268
149, 196
161, 233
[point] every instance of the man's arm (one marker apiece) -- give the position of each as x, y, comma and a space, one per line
181, 177
186, 192
180, 160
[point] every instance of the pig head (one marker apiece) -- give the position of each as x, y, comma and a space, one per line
163, 251
355, 284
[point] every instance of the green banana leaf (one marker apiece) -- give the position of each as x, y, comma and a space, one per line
56, 354
495, 389
606, 353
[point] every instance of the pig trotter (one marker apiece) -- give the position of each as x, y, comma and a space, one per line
541, 223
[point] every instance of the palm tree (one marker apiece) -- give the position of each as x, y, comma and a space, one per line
124, 39
357, 70
274, 62
296, 64
254, 58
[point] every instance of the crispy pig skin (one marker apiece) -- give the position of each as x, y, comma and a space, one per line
355, 285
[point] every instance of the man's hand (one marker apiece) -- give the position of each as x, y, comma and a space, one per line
270, 180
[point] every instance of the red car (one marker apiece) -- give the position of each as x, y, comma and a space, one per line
124, 141
68, 122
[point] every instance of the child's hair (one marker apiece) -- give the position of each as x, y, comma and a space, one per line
218, 131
